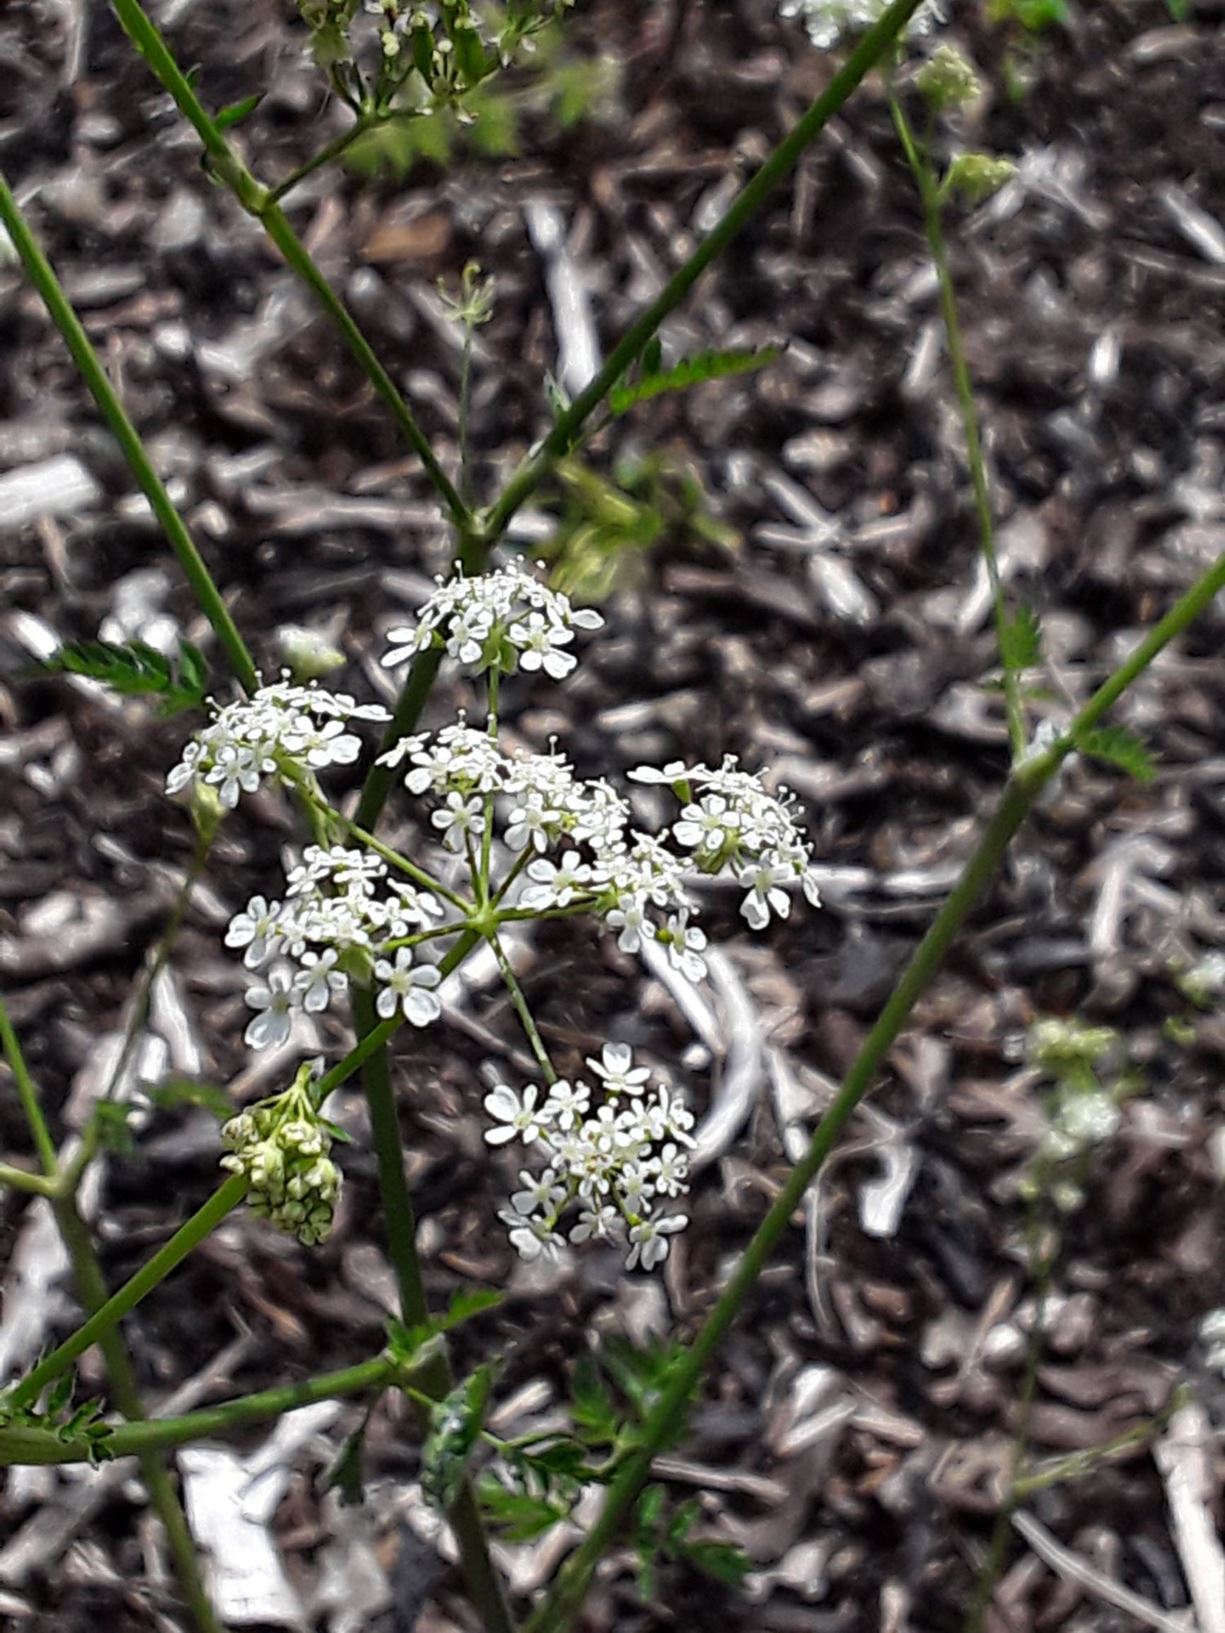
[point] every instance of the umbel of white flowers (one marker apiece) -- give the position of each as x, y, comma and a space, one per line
613, 1164
347, 914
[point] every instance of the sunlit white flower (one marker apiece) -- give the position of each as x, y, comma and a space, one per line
318, 979
649, 1241
540, 1192
596, 1222
556, 884
540, 644
518, 1116
617, 1071
255, 929
763, 885
461, 819
276, 1001
407, 987
568, 1101
532, 1238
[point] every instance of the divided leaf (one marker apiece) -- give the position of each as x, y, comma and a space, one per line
690, 371
1021, 647
455, 1424
133, 668
517, 1515
1116, 746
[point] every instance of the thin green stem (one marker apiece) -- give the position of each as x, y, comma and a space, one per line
259, 202
1060, 1470
422, 673
125, 1392
1023, 788
326, 154
466, 478
562, 438
44, 1145
184, 1241
27, 1445
1041, 1266
42, 276
355, 831
933, 223
484, 1589
521, 1009
21, 1179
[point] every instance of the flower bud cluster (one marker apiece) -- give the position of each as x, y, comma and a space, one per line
341, 911
616, 1166
281, 1148
281, 728
502, 620
831, 23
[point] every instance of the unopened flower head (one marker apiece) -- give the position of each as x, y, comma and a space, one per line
832, 23
281, 1147
947, 79
611, 1168
502, 620
281, 729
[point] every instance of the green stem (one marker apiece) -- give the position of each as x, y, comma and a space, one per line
484, 1588
522, 1011
259, 202
524, 481
188, 1237
466, 483
125, 1392
929, 197
44, 1145
412, 699
28, 1445
21, 1179
1077, 1464
42, 276
332, 150
1023, 788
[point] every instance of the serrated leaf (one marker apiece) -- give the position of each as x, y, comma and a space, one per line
1118, 747
133, 668
346, 1474
725, 1561
517, 1515
595, 1416
235, 112
1021, 645
455, 1424
566, 1458
469, 1302
61, 1394
690, 371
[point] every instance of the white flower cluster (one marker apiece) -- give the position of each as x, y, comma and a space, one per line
280, 726
341, 911
281, 1147
501, 620
834, 22
616, 1164
735, 826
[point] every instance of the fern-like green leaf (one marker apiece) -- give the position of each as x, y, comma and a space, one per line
1021, 647
690, 371
134, 668
1116, 746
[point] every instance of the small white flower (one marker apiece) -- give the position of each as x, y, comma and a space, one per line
649, 1240
532, 1238
276, 1002
617, 1071
539, 642
762, 883
318, 979
568, 1102
461, 819
255, 929
556, 884
540, 1191
596, 1222
519, 1117
408, 987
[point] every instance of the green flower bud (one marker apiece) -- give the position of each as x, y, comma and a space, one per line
977, 175
307, 654
948, 80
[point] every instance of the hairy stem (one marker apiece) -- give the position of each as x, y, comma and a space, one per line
135, 1439
125, 1392
933, 223
1023, 788
42, 276
484, 1588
